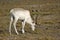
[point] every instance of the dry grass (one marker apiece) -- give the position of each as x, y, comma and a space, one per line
48, 20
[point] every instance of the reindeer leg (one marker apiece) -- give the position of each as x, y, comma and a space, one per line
23, 24
10, 24
15, 21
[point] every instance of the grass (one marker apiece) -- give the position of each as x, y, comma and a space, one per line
48, 20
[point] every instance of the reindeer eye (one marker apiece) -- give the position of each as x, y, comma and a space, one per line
33, 22
22, 20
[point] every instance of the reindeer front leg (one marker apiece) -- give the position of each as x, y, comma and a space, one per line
23, 24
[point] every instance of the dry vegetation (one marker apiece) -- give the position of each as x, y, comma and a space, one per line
45, 12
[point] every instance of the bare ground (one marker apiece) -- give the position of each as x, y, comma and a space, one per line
48, 20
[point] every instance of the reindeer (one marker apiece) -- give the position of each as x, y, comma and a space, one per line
23, 15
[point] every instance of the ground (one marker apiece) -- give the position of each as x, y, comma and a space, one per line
48, 20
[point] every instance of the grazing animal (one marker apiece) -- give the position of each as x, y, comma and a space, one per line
23, 15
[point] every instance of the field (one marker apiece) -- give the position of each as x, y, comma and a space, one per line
45, 13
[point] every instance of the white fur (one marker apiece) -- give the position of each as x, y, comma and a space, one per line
22, 14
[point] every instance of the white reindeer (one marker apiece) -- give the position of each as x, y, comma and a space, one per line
23, 15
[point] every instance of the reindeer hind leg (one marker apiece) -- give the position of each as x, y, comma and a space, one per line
10, 24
